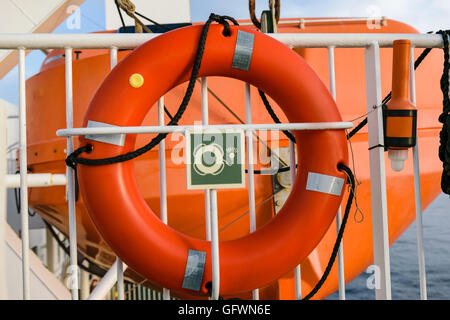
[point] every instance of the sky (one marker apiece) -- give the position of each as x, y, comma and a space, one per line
424, 15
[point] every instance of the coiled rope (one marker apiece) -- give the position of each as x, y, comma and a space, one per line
251, 8
444, 117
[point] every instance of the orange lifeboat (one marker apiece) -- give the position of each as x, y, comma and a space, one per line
46, 100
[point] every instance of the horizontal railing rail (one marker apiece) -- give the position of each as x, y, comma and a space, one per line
184, 128
133, 40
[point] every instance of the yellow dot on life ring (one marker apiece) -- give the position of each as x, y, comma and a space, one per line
136, 80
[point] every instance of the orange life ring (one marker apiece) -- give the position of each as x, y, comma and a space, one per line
159, 252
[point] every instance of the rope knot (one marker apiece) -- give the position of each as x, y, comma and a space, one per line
223, 21
71, 158
127, 5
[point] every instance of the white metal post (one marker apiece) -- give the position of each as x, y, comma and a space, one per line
417, 194
162, 177
51, 248
71, 180
211, 218
341, 270
215, 246
377, 172
162, 165
205, 119
120, 264
250, 175
3, 170
23, 176
341, 273
293, 171
84, 284
120, 280
106, 283
113, 57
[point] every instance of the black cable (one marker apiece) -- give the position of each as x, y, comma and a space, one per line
152, 21
351, 180
386, 99
282, 169
72, 160
98, 271
17, 198
360, 125
121, 17
357, 128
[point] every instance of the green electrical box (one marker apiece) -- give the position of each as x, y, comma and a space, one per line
215, 159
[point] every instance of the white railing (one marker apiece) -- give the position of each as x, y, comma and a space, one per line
113, 42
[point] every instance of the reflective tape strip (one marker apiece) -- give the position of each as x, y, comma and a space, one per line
117, 139
193, 273
324, 183
243, 50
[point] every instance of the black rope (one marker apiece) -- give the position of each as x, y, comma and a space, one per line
444, 117
273, 115
168, 113
351, 180
72, 160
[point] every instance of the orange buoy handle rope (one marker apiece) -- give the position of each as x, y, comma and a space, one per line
174, 260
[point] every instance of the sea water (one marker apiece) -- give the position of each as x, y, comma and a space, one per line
404, 263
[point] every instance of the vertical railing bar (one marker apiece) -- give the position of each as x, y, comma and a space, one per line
23, 176
162, 178
377, 172
211, 218
341, 272
120, 280
205, 120
215, 246
120, 264
162, 165
293, 171
417, 193
71, 179
3, 202
113, 56
250, 175
331, 72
